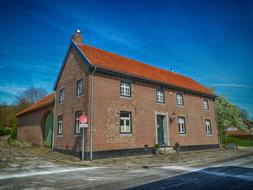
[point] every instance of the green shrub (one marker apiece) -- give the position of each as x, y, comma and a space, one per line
13, 134
238, 141
5, 131
14, 131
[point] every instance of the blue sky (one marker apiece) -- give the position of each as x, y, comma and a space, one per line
210, 41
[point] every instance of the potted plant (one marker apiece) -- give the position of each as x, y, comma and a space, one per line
177, 147
156, 149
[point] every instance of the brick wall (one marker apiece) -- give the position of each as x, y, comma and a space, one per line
143, 107
30, 128
73, 71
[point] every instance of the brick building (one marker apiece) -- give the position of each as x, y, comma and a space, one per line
131, 105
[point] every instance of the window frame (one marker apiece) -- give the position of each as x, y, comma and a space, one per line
182, 95
162, 91
75, 122
130, 122
58, 123
77, 82
130, 89
210, 127
62, 92
179, 127
205, 100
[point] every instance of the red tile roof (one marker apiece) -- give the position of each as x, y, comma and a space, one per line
114, 62
47, 100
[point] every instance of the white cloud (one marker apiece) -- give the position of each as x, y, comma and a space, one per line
11, 89
231, 85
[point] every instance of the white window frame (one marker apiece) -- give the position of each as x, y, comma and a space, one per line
180, 99
181, 125
60, 125
160, 98
205, 103
61, 95
79, 87
126, 129
77, 122
125, 89
208, 126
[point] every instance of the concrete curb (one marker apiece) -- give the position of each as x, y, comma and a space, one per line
90, 163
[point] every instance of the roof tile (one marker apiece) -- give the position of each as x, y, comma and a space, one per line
114, 62
47, 100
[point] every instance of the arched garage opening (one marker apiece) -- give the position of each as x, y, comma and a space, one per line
48, 129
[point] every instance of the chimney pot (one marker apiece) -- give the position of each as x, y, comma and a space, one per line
77, 37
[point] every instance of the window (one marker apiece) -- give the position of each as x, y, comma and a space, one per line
160, 96
125, 89
206, 107
77, 124
180, 99
79, 87
60, 124
181, 125
61, 96
208, 126
125, 122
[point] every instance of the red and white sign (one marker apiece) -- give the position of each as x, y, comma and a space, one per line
83, 121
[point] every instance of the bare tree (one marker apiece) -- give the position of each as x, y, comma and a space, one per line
30, 96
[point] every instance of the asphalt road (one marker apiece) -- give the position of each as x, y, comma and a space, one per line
232, 174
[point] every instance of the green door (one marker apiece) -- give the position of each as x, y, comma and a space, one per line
160, 130
48, 130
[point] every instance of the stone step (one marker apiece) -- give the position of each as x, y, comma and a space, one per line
167, 150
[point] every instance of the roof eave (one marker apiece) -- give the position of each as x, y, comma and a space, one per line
84, 58
106, 70
35, 109
89, 63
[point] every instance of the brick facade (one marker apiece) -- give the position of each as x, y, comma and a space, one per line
142, 104
74, 70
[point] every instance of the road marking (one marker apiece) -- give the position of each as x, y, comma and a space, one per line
204, 171
48, 172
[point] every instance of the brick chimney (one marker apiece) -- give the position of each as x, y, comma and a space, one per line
77, 37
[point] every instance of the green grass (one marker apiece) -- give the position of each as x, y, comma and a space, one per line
238, 141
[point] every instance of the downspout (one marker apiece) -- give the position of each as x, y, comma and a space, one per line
217, 126
54, 112
91, 114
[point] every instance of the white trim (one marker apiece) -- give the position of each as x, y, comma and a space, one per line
182, 134
126, 97
125, 89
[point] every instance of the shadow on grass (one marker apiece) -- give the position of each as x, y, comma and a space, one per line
222, 178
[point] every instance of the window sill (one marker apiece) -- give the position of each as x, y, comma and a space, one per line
182, 134
160, 103
59, 135
78, 135
79, 95
126, 97
61, 102
181, 106
126, 134
209, 135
